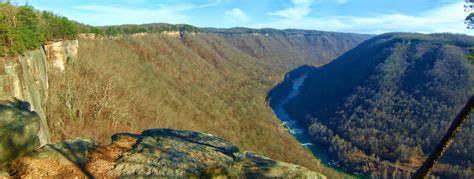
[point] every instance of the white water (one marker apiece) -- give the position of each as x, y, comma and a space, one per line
293, 126
298, 130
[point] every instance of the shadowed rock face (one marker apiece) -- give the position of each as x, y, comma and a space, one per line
26, 77
18, 130
155, 152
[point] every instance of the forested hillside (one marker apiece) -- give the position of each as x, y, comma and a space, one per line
310, 47
287, 49
203, 82
392, 98
147, 28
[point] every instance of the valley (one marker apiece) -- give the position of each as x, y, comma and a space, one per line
204, 82
299, 131
391, 79
177, 100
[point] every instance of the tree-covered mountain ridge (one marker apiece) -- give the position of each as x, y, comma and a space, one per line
300, 46
391, 98
163, 27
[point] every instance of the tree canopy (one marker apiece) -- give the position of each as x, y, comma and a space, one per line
23, 28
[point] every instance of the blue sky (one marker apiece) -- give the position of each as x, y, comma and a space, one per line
360, 16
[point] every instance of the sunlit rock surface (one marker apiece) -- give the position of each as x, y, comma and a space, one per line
26, 77
154, 152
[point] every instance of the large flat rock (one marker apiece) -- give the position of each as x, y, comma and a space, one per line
155, 152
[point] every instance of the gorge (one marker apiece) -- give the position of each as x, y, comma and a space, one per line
374, 108
175, 100
157, 81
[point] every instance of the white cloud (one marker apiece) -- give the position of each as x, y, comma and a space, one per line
342, 1
446, 18
297, 10
238, 14
113, 15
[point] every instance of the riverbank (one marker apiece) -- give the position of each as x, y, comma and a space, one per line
299, 131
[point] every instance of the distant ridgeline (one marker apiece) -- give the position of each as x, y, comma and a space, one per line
164, 27
147, 28
23, 28
311, 47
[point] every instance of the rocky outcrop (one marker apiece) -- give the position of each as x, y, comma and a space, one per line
26, 76
177, 34
89, 36
155, 152
19, 129
62, 52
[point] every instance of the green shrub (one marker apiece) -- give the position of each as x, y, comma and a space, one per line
24, 28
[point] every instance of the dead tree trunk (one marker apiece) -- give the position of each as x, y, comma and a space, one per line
448, 138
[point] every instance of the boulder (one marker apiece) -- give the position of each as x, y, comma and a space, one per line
177, 153
19, 129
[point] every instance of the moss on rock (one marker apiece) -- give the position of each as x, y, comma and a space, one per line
19, 129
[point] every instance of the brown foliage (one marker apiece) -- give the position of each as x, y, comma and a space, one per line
203, 84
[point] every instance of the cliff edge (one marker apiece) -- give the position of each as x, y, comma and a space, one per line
154, 152
26, 77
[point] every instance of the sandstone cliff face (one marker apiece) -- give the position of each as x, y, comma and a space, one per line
153, 153
26, 77
60, 53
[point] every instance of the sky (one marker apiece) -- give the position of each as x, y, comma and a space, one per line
358, 16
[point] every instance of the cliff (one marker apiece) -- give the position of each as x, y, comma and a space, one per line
26, 76
62, 52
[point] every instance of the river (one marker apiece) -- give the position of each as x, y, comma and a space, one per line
298, 131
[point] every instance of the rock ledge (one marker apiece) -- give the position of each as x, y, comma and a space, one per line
154, 152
